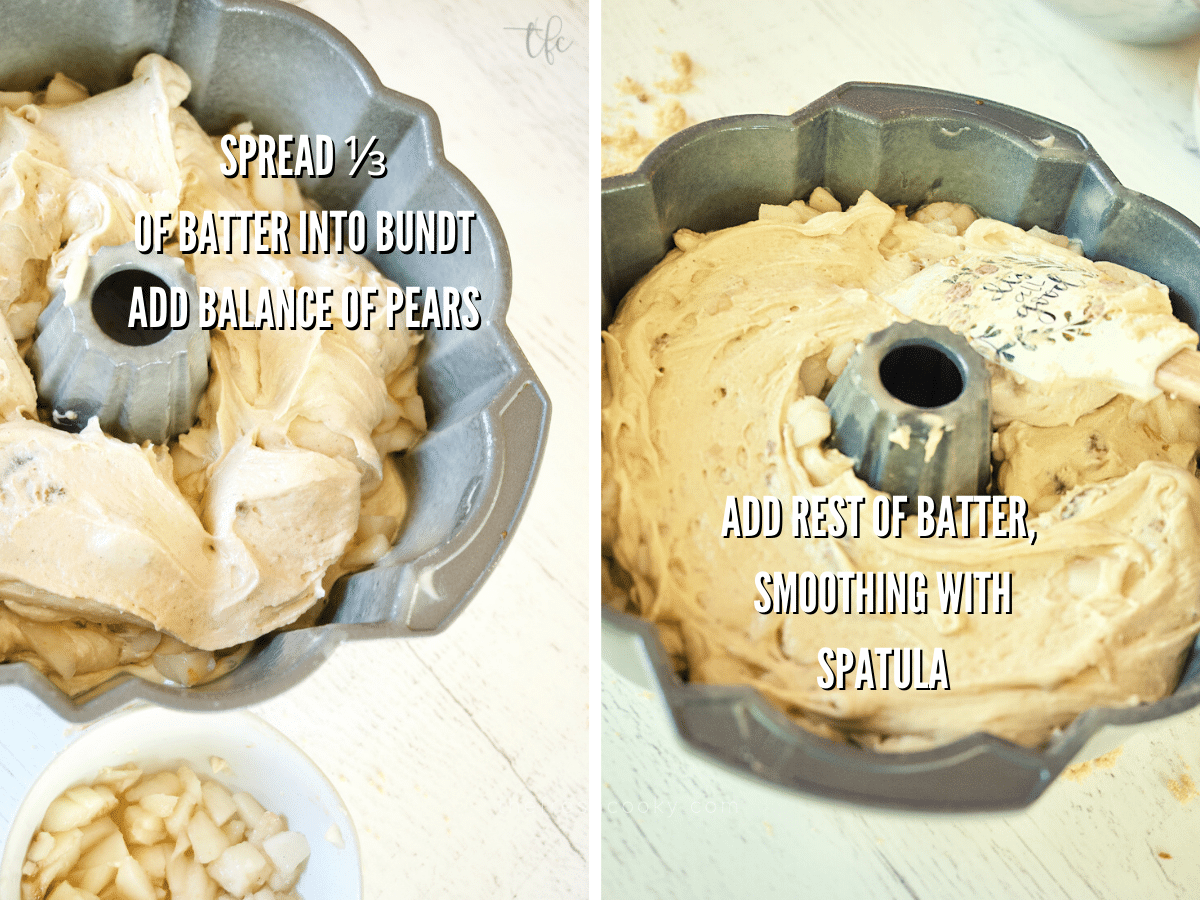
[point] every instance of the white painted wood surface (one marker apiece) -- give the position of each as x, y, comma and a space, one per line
463, 757
674, 826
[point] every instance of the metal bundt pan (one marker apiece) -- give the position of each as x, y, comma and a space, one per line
469, 477
907, 145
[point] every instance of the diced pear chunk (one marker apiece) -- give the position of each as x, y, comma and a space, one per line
154, 860
159, 783
235, 830
182, 844
132, 881
269, 824
66, 891
60, 860
177, 821
41, 845
287, 851
191, 783
119, 778
248, 808
96, 878
107, 852
161, 805
218, 801
208, 841
142, 827
241, 869
95, 832
185, 668
187, 880
77, 807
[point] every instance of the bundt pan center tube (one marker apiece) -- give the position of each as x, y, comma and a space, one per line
468, 477
141, 382
908, 146
912, 409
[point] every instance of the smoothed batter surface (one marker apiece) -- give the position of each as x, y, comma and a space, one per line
715, 367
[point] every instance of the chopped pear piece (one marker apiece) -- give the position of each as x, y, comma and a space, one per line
66, 891
287, 851
159, 783
77, 807
132, 881
107, 852
142, 827
249, 808
208, 841
218, 801
95, 832
154, 860
177, 821
96, 878
161, 805
240, 869
269, 824
60, 860
40, 846
191, 783
187, 880
235, 830
119, 778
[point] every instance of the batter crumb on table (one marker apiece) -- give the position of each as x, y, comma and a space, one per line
681, 83
632, 88
1184, 788
623, 146
622, 150
1078, 773
669, 118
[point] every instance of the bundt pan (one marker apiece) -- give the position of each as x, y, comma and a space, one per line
907, 145
469, 477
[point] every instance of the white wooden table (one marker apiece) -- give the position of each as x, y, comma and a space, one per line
675, 826
463, 757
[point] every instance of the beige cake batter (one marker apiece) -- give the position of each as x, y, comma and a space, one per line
240, 525
715, 369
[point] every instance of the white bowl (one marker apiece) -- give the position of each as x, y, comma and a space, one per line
261, 762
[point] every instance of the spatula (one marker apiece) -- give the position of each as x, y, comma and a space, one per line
1051, 314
